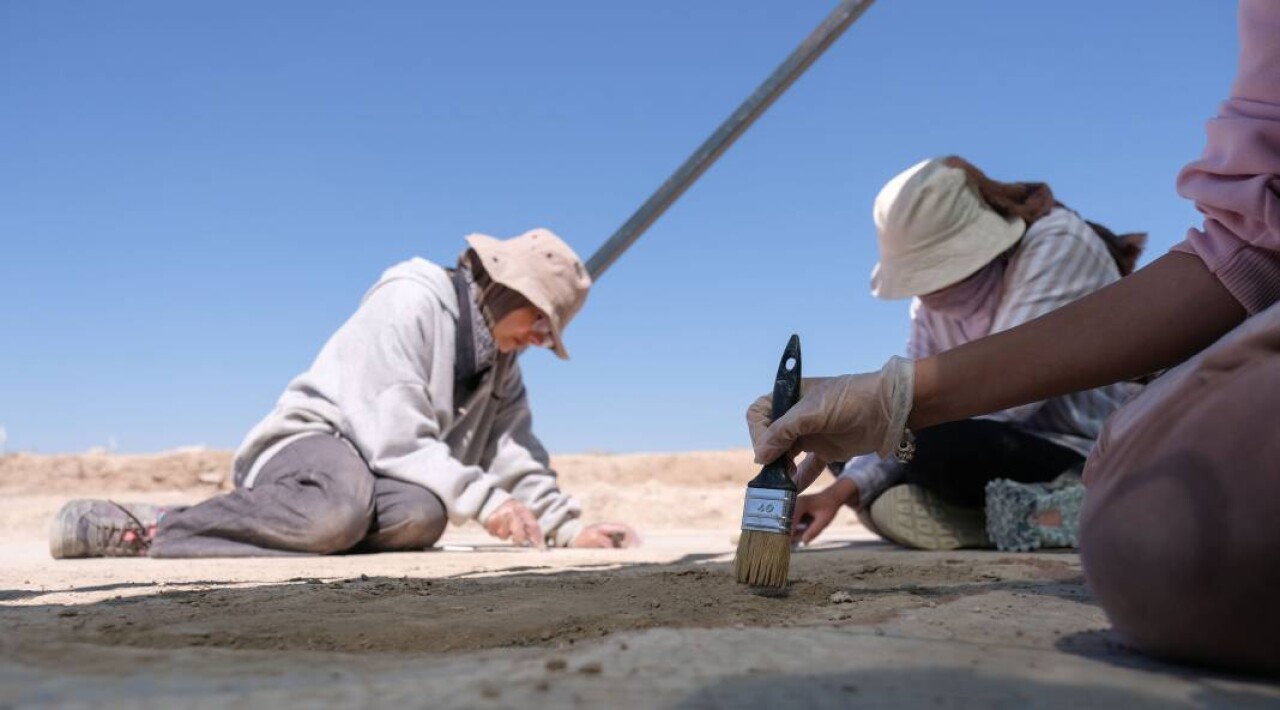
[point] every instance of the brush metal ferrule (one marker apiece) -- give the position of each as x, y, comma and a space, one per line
768, 510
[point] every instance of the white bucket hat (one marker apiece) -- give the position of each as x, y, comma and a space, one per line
541, 267
934, 231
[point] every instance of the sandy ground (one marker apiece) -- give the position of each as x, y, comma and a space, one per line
664, 625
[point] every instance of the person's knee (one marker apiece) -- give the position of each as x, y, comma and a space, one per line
1176, 534
1145, 556
338, 528
416, 531
415, 521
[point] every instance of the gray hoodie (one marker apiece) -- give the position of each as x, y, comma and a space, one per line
384, 382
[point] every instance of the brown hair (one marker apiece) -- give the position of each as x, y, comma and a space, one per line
1032, 200
496, 300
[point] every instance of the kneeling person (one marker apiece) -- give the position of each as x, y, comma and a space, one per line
979, 256
413, 415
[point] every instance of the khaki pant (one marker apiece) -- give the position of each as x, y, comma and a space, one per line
1180, 534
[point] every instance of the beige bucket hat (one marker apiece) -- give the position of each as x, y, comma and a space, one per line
934, 231
541, 267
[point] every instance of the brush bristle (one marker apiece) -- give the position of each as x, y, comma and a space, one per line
763, 559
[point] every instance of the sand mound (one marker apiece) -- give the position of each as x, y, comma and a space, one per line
199, 468
98, 470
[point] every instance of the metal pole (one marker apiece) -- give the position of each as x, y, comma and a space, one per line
734, 126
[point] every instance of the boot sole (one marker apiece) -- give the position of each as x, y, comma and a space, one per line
913, 517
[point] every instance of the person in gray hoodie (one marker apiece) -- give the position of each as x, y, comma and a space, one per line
413, 415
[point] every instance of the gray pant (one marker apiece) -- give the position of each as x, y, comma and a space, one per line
315, 496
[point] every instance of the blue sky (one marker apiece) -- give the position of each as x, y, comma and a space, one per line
193, 196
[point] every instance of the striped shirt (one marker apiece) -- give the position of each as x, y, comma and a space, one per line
1058, 260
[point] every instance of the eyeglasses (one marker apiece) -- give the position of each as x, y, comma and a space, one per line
543, 336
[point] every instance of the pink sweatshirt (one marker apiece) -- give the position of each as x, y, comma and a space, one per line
1236, 182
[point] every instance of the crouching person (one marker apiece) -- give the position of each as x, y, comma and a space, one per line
412, 416
979, 256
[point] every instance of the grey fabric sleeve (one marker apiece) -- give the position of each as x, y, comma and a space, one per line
873, 476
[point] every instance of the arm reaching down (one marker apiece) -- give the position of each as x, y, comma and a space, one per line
815, 511
1153, 319
513, 521
522, 466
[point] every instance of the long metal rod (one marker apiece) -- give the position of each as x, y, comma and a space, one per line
734, 126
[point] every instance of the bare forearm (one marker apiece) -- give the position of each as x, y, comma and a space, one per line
845, 491
1155, 318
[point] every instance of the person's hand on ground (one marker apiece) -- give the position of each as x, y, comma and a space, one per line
513, 521
808, 471
837, 418
814, 512
606, 535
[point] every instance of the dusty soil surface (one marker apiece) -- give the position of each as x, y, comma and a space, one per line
486, 625
526, 605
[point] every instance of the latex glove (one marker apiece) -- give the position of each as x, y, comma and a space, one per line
814, 512
513, 521
838, 418
606, 535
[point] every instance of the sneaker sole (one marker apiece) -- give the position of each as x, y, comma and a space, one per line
864, 517
911, 516
1012, 507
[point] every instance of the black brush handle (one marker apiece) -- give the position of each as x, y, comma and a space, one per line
786, 392
786, 386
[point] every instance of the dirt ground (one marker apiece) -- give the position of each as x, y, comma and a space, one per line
480, 624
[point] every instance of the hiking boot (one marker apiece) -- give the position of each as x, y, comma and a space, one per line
1028, 516
103, 528
912, 516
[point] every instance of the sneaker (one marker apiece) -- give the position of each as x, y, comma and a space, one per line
864, 517
912, 516
103, 528
1028, 516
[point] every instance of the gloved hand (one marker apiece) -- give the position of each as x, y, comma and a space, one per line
838, 418
512, 520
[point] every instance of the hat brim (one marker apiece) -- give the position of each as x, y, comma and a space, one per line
493, 255
557, 347
948, 262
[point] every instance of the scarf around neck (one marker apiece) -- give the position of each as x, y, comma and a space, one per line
973, 301
476, 349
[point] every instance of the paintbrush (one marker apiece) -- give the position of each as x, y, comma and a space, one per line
764, 549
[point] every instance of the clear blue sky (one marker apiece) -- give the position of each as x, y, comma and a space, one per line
193, 196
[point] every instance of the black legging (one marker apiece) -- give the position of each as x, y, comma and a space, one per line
956, 460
